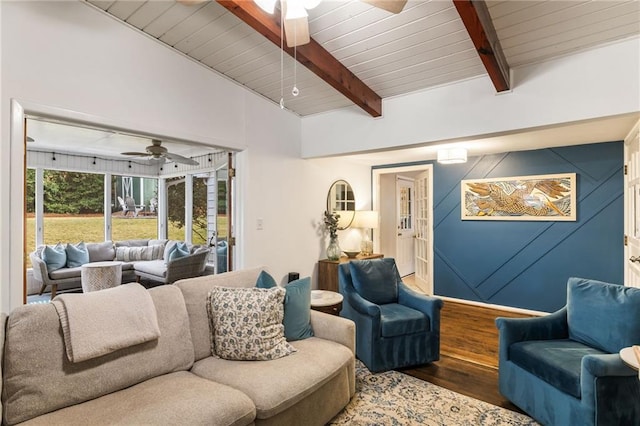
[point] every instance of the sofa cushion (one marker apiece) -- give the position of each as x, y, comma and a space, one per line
297, 306
557, 362
100, 252
276, 385
265, 280
132, 243
63, 273
132, 254
376, 280
39, 366
55, 257
591, 303
153, 267
246, 323
191, 401
77, 255
168, 248
297, 310
177, 251
398, 320
195, 291
157, 242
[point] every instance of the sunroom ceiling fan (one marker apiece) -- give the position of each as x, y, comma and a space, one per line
158, 152
296, 24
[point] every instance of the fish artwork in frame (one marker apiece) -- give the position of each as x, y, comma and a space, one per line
542, 197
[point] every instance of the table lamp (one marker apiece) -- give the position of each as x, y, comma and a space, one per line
366, 220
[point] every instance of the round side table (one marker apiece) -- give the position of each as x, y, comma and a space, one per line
101, 275
629, 358
326, 301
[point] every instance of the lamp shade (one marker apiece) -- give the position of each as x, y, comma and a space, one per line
452, 156
367, 219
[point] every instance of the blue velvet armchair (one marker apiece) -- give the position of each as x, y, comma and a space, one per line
395, 326
564, 368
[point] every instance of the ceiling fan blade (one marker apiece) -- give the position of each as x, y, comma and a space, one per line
393, 6
296, 31
180, 159
136, 154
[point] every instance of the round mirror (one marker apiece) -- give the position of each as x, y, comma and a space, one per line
342, 201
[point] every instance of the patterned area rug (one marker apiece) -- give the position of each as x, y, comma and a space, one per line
394, 398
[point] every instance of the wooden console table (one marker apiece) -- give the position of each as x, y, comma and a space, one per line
328, 270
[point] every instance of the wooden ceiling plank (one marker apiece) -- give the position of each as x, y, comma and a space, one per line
476, 19
311, 55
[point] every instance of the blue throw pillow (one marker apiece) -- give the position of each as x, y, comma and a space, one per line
376, 280
179, 250
77, 255
297, 310
603, 315
297, 306
54, 257
265, 280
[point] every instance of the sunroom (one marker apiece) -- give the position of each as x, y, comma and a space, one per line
91, 185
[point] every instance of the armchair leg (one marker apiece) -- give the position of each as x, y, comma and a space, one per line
54, 287
44, 286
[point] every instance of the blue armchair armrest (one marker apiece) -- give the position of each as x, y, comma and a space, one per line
428, 305
594, 366
512, 330
360, 304
610, 386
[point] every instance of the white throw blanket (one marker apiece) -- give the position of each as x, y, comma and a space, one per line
101, 322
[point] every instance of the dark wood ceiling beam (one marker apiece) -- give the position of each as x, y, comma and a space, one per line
312, 56
476, 19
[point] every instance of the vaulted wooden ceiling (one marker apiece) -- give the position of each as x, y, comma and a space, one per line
360, 54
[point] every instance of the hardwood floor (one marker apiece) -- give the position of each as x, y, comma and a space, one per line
468, 351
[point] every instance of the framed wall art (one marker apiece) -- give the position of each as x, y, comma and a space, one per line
541, 197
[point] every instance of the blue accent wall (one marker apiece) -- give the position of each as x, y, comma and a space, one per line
526, 264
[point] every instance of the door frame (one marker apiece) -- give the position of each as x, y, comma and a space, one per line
375, 202
13, 294
631, 204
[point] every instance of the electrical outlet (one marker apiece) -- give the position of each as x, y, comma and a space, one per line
259, 224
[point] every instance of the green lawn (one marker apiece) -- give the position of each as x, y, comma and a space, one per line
73, 229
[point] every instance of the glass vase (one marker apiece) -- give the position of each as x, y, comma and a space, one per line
333, 249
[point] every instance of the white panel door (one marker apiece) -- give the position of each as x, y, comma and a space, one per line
423, 231
632, 208
405, 250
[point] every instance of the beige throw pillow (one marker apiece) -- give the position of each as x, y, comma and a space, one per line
246, 323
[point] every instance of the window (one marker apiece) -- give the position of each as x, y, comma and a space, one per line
73, 207
176, 208
134, 212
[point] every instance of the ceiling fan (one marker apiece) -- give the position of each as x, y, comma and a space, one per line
158, 152
296, 24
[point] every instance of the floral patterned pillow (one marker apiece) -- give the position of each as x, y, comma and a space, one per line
246, 323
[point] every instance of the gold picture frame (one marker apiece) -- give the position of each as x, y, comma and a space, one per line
541, 197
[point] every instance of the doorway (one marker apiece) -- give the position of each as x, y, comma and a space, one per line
79, 175
402, 196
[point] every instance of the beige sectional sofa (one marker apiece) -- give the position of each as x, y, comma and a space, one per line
174, 379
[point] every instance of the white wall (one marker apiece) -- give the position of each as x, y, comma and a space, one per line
71, 60
595, 83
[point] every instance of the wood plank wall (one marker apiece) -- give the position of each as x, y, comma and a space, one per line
469, 332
